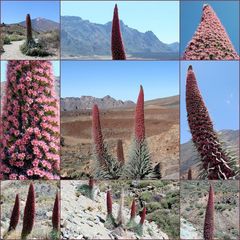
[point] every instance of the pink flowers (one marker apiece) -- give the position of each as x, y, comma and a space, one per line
210, 41
30, 122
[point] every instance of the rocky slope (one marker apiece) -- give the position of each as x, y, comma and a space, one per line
189, 156
83, 218
83, 38
87, 102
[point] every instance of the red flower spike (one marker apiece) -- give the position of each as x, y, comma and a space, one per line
143, 216
97, 135
15, 215
120, 154
56, 213
118, 52
209, 217
133, 209
29, 212
139, 117
109, 202
215, 161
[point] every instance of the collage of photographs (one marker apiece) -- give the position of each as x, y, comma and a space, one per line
119, 120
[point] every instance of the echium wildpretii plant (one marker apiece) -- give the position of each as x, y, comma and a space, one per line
88, 190
30, 47
29, 213
106, 166
139, 163
118, 52
55, 233
216, 162
29, 147
208, 231
112, 223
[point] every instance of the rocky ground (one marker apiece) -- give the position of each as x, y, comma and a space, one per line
45, 196
83, 218
12, 51
194, 195
162, 131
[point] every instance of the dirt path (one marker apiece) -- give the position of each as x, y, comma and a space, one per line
12, 52
188, 231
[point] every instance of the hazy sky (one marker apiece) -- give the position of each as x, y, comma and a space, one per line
120, 79
227, 12
56, 66
161, 17
16, 11
219, 85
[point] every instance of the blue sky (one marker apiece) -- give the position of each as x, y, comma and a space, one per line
120, 80
16, 11
219, 85
227, 12
56, 70
161, 17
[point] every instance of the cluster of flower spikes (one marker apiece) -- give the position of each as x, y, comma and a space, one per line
216, 163
210, 41
29, 147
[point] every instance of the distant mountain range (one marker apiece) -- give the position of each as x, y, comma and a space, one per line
84, 38
87, 102
188, 152
42, 24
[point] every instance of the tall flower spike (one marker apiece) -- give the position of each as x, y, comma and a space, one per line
118, 52
143, 216
15, 215
109, 202
120, 154
133, 209
29, 148
56, 213
209, 217
29, 28
97, 135
29, 213
189, 174
210, 41
139, 117
216, 163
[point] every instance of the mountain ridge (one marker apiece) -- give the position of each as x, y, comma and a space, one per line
83, 38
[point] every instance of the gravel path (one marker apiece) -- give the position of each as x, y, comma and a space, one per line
12, 52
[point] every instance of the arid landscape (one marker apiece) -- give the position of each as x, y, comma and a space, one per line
45, 192
194, 197
45, 32
85, 216
162, 132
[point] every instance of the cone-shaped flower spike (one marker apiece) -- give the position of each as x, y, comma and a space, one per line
56, 213
15, 215
215, 161
118, 52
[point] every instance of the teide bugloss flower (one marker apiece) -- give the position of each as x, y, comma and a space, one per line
118, 52
216, 163
29, 213
29, 147
139, 117
15, 215
210, 41
29, 28
209, 217
56, 213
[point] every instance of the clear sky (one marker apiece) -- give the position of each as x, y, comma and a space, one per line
16, 11
161, 17
120, 80
227, 12
56, 66
219, 85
